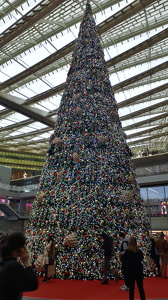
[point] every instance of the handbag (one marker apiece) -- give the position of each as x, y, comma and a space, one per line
51, 271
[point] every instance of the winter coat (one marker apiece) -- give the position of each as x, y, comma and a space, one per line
107, 245
17, 280
132, 263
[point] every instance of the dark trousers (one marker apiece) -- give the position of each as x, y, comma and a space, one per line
124, 272
46, 271
156, 260
106, 266
139, 281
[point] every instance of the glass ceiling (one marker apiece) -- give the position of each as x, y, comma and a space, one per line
37, 40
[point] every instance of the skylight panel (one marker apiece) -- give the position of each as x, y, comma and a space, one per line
135, 107
122, 96
26, 129
40, 137
13, 16
139, 138
17, 117
65, 37
13, 69
16, 132
2, 107
57, 77
39, 106
34, 57
134, 120
48, 104
56, 99
101, 16
27, 92
17, 94
138, 129
37, 125
6, 122
37, 86
3, 77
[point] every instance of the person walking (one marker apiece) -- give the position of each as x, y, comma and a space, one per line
16, 277
132, 261
108, 249
122, 248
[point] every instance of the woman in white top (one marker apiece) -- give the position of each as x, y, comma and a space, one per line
48, 257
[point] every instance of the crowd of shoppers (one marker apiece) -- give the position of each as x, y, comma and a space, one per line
17, 274
131, 257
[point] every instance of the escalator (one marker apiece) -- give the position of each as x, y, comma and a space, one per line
10, 213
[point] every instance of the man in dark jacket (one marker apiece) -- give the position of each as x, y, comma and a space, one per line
108, 249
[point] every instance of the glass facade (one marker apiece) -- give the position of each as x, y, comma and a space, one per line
155, 200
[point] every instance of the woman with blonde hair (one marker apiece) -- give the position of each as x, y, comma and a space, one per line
133, 267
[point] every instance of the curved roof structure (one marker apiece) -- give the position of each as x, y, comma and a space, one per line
37, 38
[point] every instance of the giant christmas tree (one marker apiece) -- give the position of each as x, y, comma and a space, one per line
88, 184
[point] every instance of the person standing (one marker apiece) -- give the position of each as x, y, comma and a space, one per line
122, 248
16, 277
154, 256
132, 261
48, 257
108, 249
162, 248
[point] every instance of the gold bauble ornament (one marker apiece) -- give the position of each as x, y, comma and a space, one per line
131, 178
57, 141
76, 97
76, 156
71, 240
102, 139
79, 110
128, 196
59, 175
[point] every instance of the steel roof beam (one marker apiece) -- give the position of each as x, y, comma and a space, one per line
149, 130
110, 21
65, 50
60, 88
27, 20
141, 96
18, 105
140, 76
122, 15
16, 3
143, 110
69, 47
140, 47
149, 138
24, 135
145, 122
17, 125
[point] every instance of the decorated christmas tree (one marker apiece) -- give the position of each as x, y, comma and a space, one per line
88, 184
